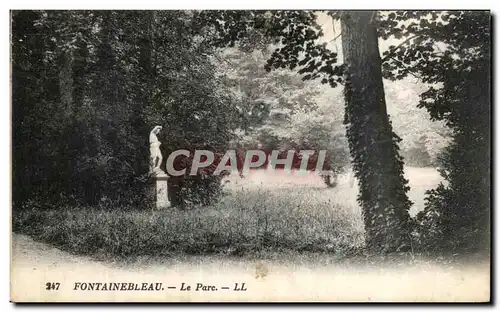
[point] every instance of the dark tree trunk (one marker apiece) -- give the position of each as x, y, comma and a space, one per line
372, 144
66, 82
80, 71
144, 100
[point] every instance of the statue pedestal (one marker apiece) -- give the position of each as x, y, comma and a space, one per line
161, 180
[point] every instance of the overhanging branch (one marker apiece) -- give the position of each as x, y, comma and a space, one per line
399, 45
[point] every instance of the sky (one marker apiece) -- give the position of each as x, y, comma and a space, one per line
332, 35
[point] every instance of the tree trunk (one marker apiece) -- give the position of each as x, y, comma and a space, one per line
144, 100
373, 146
66, 81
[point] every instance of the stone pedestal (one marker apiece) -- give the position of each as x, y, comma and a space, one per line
161, 180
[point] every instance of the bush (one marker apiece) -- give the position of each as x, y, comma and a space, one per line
456, 216
200, 190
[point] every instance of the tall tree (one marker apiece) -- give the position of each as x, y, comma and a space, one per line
373, 144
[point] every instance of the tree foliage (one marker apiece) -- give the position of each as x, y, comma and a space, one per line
88, 86
278, 109
295, 35
422, 139
451, 50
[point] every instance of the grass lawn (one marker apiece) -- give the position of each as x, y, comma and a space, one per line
261, 213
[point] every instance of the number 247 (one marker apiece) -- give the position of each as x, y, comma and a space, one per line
52, 286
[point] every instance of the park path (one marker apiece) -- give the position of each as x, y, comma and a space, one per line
283, 278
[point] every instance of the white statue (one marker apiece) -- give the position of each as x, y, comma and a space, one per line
154, 148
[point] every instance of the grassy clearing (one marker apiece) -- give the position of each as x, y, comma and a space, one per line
259, 214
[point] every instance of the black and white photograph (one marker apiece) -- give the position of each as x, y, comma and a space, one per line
338, 156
